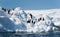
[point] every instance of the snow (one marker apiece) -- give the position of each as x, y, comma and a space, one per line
17, 20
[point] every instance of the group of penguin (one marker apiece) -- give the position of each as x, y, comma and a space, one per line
39, 19
4, 9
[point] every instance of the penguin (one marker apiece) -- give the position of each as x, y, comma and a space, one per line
28, 21
39, 19
8, 11
4, 9
43, 19
31, 16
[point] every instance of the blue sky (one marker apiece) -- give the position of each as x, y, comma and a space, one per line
31, 4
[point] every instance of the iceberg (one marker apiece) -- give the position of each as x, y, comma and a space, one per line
21, 20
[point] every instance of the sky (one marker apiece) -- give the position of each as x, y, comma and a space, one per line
30, 4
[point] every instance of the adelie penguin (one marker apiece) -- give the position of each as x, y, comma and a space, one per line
31, 16
39, 19
28, 21
4, 9
43, 19
8, 11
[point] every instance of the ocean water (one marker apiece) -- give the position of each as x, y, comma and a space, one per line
25, 34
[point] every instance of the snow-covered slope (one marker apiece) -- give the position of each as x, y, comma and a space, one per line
5, 23
30, 20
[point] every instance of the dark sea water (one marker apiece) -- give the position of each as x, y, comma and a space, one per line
25, 34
